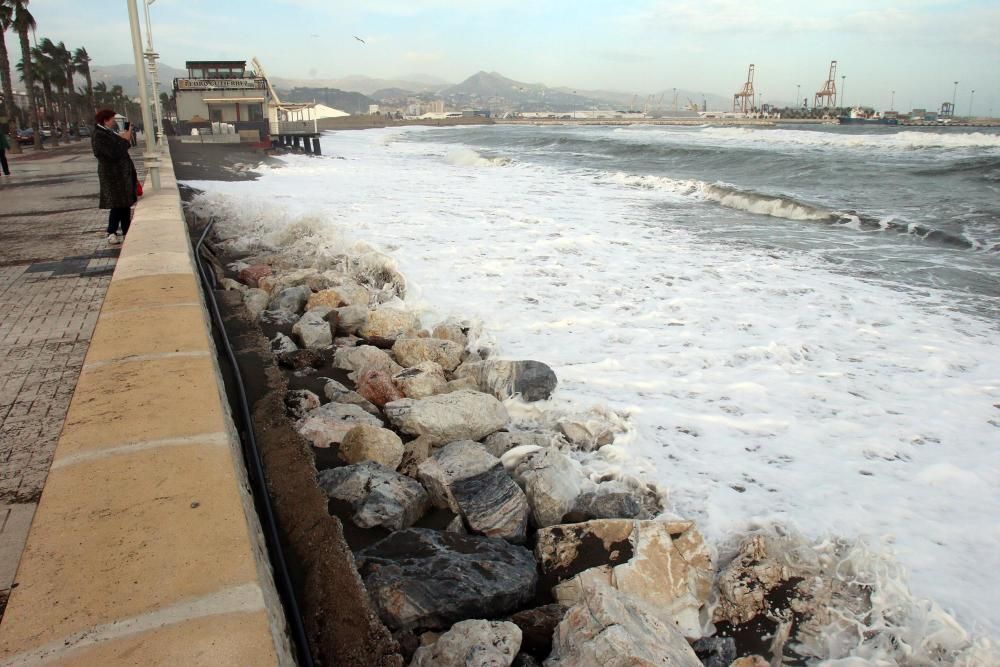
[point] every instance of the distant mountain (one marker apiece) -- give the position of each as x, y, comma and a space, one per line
392, 94
493, 89
363, 84
352, 103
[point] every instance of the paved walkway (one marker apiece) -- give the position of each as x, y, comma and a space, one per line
55, 267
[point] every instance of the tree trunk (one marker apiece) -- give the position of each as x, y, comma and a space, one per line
29, 85
90, 90
50, 110
8, 95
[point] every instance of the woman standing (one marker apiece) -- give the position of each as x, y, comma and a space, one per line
4, 145
116, 172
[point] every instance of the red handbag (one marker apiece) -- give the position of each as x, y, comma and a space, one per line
138, 188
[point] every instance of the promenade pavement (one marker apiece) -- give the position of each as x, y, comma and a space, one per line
55, 267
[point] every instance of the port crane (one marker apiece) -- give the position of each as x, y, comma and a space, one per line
743, 100
828, 96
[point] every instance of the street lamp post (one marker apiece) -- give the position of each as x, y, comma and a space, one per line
892, 101
843, 85
797, 93
151, 57
954, 95
972, 96
150, 157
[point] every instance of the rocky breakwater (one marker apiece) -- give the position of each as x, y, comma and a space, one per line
483, 540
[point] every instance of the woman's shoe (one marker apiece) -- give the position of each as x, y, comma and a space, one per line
113, 239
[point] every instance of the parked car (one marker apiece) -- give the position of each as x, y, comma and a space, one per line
27, 136
84, 131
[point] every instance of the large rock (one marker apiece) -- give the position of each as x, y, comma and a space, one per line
715, 651
256, 301
349, 294
282, 343
313, 330
609, 629
423, 380
378, 495
291, 299
452, 332
300, 401
587, 434
251, 275
302, 359
351, 319
537, 626
328, 424
338, 393
460, 415
665, 564
472, 643
745, 584
377, 387
363, 358
365, 442
385, 325
552, 483
412, 351
466, 479
422, 578
503, 441
415, 452
609, 501
532, 380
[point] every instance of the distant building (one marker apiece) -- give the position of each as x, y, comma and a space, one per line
222, 91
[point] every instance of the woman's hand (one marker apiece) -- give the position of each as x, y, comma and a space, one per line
126, 135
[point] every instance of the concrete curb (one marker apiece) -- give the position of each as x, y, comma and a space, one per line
146, 548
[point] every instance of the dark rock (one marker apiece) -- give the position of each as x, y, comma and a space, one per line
338, 393
378, 495
525, 660
300, 401
291, 299
422, 578
282, 343
298, 359
607, 505
278, 318
537, 626
715, 651
533, 380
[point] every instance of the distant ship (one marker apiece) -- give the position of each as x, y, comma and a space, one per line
859, 116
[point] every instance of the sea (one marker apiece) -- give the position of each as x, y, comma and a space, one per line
790, 326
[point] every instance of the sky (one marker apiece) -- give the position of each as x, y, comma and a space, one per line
918, 48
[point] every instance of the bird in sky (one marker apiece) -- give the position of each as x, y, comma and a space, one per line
360, 40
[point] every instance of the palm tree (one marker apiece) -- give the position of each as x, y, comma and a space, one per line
40, 64
81, 61
61, 60
10, 108
23, 21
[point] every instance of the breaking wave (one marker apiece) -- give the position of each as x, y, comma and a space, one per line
466, 157
905, 140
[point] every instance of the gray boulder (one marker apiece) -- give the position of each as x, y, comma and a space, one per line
422, 578
300, 401
608, 501
350, 319
313, 330
328, 424
292, 299
501, 442
532, 380
255, 301
363, 358
460, 415
472, 643
420, 381
378, 495
412, 351
715, 651
609, 629
338, 393
552, 483
466, 479
282, 343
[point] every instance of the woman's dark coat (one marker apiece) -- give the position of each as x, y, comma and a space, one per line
114, 168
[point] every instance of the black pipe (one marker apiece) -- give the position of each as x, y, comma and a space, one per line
256, 473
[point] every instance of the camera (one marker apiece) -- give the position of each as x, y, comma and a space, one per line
127, 125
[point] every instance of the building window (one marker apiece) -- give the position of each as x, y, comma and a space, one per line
255, 112
215, 115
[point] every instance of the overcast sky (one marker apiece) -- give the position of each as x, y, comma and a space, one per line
917, 47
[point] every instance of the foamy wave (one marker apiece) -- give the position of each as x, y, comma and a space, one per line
466, 157
728, 196
907, 139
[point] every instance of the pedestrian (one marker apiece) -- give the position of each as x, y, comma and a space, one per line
4, 145
115, 171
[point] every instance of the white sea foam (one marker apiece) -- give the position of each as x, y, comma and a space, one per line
756, 386
466, 157
904, 140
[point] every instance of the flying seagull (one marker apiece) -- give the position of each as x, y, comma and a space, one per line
360, 40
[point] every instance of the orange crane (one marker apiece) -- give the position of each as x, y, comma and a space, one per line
743, 100
828, 96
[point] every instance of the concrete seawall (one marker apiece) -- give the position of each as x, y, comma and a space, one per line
145, 548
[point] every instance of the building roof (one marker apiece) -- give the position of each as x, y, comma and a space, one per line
215, 63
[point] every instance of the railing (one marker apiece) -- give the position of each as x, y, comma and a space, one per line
220, 84
281, 127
